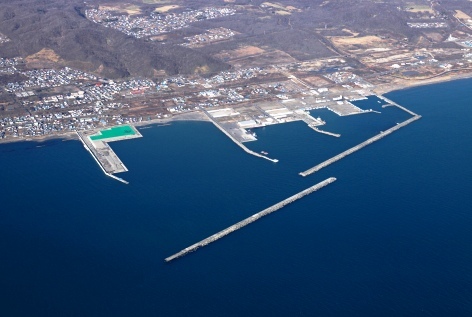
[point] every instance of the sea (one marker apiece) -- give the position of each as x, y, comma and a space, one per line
391, 237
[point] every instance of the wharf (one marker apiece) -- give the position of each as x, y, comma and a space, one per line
265, 113
306, 117
251, 219
359, 146
213, 120
396, 105
345, 109
103, 154
358, 99
325, 132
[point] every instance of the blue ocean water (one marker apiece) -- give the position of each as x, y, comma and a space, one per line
392, 237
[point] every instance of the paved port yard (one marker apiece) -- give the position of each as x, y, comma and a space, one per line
96, 142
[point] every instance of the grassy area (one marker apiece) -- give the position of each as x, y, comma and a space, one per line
114, 132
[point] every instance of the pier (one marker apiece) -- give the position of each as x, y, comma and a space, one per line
96, 143
251, 219
397, 105
95, 156
325, 132
213, 120
359, 146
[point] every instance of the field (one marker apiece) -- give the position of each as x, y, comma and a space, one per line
398, 56
415, 8
241, 52
462, 15
351, 43
166, 8
369, 40
264, 59
44, 58
162, 37
155, 1
316, 81
44, 55
282, 12
280, 6
123, 8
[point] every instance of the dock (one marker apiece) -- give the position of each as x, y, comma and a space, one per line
96, 156
306, 117
251, 219
217, 124
396, 105
103, 154
325, 132
359, 146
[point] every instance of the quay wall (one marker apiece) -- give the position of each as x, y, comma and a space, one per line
325, 132
236, 141
86, 146
397, 105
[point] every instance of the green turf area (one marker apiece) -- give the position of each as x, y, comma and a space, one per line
113, 133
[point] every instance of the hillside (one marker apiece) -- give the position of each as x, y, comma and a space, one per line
62, 28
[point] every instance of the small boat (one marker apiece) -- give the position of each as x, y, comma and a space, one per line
264, 152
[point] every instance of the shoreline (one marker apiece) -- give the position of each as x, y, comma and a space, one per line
72, 135
198, 116
406, 84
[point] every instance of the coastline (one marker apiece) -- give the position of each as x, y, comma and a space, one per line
65, 136
400, 84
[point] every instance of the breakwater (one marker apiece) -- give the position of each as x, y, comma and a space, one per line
337, 135
359, 146
251, 219
234, 140
96, 157
397, 105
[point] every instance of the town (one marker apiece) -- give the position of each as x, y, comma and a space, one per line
264, 85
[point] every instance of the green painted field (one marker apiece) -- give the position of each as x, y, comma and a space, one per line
114, 132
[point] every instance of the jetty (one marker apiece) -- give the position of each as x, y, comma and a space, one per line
325, 132
379, 136
96, 156
251, 219
97, 145
397, 105
217, 124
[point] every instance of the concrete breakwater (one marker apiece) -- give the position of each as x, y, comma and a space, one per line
359, 146
251, 219
325, 132
234, 140
103, 160
396, 105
